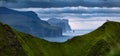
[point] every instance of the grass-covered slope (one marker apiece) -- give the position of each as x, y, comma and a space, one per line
9, 44
100, 42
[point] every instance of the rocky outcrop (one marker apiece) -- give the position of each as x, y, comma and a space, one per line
28, 22
62, 23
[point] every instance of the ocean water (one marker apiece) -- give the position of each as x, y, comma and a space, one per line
67, 35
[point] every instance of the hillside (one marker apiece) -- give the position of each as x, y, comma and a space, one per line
28, 22
100, 42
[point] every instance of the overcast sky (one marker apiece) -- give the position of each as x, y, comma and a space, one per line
59, 3
82, 14
80, 17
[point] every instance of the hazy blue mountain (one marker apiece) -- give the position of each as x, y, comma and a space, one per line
62, 23
28, 22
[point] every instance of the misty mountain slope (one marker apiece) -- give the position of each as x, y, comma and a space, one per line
28, 22
97, 43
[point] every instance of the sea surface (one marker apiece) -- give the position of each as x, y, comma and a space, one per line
67, 35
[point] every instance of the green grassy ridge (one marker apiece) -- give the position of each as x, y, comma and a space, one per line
9, 44
78, 46
99, 42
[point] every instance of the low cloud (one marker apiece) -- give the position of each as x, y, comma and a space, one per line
83, 12
79, 17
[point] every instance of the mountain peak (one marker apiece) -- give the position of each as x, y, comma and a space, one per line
29, 22
110, 22
3, 8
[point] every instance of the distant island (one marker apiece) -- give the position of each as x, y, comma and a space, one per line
62, 23
28, 22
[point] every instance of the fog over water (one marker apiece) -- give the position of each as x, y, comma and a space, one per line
81, 19
68, 35
81, 27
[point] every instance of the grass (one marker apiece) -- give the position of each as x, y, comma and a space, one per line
101, 41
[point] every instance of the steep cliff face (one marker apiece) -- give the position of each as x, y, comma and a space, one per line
62, 23
28, 22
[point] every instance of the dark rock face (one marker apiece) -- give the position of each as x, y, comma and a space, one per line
28, 22
62, 23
